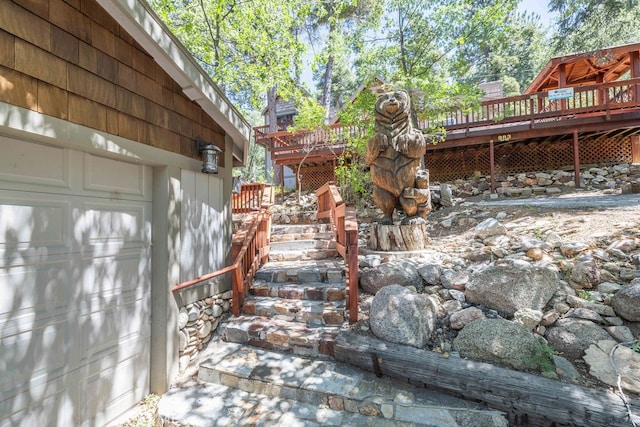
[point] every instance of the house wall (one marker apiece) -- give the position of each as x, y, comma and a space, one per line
71, 79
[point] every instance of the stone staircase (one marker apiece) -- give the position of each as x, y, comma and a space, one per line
296, 303
274, 367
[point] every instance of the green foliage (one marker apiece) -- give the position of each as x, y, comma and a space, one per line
585, 25
247, 47
351, 173
585, 295
541, 359
635, 346
310, 116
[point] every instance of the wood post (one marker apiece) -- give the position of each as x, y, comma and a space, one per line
492, 166
634, 58
562, 82
635, 148
576, 158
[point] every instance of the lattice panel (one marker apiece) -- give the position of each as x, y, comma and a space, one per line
314, 177
520, 157
606, 150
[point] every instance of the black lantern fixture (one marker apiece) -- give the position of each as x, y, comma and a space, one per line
209, 154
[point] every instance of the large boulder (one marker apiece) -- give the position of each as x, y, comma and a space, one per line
497, 341
508, 289
572, 336
626, 302
402, 316
627, 361
398, 272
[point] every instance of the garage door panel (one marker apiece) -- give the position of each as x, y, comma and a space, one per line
32, 222
25, 410
117, 378
28, 163
121, 319
127, 272
31, 358
113, 224
41, 288
120, 179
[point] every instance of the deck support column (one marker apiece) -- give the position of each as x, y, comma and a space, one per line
562, 82
576, 158
635, 149
282, 182
634, 59
492, 166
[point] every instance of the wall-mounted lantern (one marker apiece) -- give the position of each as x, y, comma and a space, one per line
209, 154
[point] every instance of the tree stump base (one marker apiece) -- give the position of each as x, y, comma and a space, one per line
410, 237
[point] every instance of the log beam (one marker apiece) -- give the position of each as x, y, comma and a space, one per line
517, 393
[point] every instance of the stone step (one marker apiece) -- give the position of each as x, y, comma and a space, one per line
281, 229
274, 333
321, 270
302, 245
343, 391
288, 233
215, 405
314, 291
302, 255
311, 313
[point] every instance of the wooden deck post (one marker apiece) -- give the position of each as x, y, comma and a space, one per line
635, 149
562, 82
634, 59
492, 166
576, 158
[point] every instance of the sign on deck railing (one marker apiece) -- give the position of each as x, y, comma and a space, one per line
563, 93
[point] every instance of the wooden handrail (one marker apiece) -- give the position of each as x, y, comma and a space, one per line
250, 248
603, 97
345, 232
250, 198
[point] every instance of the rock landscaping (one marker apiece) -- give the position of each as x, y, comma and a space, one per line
546, 290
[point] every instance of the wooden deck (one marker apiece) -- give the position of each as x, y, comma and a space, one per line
611, 109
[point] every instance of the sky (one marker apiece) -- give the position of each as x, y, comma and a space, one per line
539, 7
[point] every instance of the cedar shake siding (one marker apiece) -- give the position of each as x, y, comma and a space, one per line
71, 60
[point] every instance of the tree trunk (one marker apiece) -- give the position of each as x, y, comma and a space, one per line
527, 398
411, 237
326, 90
272, 118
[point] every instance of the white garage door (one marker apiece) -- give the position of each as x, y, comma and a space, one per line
75, 277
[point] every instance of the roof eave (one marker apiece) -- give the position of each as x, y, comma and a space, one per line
152, 34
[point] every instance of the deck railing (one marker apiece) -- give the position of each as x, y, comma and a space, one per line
250, 198
595, 99
603, 98
250, 248
345, 232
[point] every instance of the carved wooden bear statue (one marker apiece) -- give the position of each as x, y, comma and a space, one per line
394, 153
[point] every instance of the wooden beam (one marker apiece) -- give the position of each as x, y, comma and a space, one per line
635, 148
516, 393
576, 158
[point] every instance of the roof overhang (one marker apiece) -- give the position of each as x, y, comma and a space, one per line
148, 30
584, 68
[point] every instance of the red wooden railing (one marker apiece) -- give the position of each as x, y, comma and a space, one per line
250, 248
249, 198
603, 98
345, 232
